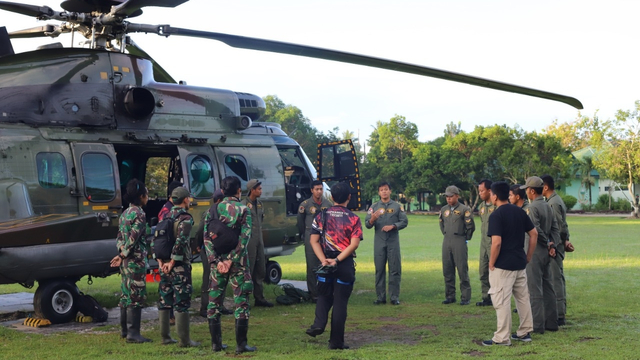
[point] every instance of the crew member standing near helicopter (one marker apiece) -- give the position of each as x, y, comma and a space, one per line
132, 256
306, 213
230, 267
485, 209
256, 244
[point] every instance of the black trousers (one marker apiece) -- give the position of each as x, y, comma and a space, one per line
334, 291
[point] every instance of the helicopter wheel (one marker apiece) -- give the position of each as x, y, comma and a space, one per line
274, 273
56, 301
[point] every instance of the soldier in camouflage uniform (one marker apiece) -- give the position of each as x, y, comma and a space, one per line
541, 292
132, 259
485, 209
175, 274
255, 248
230, 268
557, 267
457, 226
306, 213
388, 218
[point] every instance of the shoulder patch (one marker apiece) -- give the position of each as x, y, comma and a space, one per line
301, 209
482, 211
249, 205
527, 210
370, 210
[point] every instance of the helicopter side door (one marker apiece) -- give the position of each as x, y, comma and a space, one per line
337, 161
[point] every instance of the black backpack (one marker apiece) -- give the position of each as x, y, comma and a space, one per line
164, 238
292, 295
89, 306
224, 238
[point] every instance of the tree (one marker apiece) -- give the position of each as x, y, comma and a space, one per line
586, 166
618, 150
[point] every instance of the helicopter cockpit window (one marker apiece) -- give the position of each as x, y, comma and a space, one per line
200, 176
52, 170
295, 172
236, 165
99, 181
14, 201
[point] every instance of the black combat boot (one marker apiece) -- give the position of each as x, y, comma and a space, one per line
133, 335
216, 335
242, 327
123, 322
165, 328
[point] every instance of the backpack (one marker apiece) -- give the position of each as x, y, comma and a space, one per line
89, 306
292, 295
224, 238
164, 237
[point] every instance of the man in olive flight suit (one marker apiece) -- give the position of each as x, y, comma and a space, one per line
257, 261
388, 218
485, 209
557, 268
307, 211
541, 292
457, 226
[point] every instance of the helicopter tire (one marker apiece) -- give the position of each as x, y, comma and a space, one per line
55, 300
274, 273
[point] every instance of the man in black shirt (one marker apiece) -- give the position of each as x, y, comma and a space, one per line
507, 263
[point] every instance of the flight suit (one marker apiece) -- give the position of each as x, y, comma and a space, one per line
541, 292
257, 265
457, 226
133, 248
175, 288
557, 266
231, 211
485, 248
386, 247
306, 213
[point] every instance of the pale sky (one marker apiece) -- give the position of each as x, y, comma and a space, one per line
584, 49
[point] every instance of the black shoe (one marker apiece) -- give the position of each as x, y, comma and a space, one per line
395, 302
464, 302
263, 303
562, 322
449, 301
484, 302
379, 302
334, 347
525, 338
491, 342
515, 311
313, 332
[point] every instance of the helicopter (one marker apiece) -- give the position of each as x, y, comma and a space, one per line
77, 123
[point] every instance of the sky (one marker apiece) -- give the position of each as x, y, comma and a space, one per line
584, 49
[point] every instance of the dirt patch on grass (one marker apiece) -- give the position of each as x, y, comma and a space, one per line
474, 353
588, 338
396, 333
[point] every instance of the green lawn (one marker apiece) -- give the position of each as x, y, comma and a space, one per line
603, 309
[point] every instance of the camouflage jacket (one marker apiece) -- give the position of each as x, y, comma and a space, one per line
132, 231
183, 222
231, 212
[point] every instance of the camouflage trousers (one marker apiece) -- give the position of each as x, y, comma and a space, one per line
240, 280
134, 286
175, 288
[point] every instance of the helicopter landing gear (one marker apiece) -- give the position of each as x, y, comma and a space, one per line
55, 300
274, 273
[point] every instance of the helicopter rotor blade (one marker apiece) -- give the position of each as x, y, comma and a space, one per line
29, 10
340, 56
38, 31
130, 7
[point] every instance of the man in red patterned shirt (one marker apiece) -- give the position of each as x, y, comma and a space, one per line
335, 235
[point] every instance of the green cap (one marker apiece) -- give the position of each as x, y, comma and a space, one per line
534, 182
179, 194
252, 184
451, 190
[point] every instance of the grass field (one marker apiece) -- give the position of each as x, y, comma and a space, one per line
603, 309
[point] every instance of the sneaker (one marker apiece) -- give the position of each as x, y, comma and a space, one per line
395, 302
491, 342
525, 338
449, 301
313, 332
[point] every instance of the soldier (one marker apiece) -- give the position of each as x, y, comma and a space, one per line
256, 245
168, 205
457, 226
485, 209
132, 256
206, 269
557, 268
543, 297
388, 218
231, 267
175, 274
306, 213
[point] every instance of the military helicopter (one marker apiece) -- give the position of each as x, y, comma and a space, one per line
76, 124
